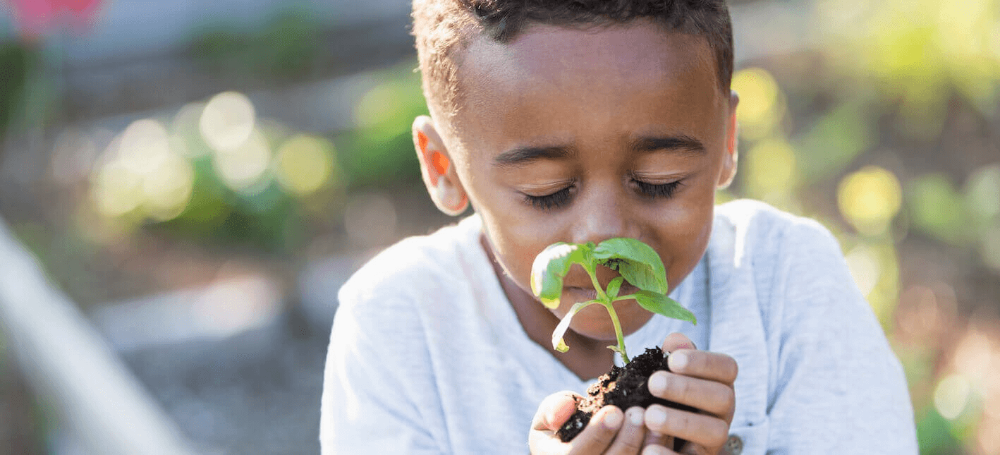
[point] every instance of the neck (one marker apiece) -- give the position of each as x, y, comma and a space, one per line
587, 358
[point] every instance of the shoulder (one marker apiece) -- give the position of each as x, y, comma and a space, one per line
758, 228
791, 265
414, 267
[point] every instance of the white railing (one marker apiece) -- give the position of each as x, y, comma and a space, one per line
70, 366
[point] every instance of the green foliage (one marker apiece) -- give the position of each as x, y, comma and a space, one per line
379, 150
287, 46
15, 59
638, 264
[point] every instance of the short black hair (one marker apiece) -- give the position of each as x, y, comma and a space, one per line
444, 27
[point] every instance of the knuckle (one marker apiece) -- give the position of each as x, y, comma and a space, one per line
730, 396
683, 424
680, 387
717, 432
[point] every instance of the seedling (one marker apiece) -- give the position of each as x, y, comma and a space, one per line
635, 261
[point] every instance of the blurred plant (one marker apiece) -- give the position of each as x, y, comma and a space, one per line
285, 47
16, 60
381, 144
920, 68
917, 54
214, 175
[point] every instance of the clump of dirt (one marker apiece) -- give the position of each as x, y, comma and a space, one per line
623, 387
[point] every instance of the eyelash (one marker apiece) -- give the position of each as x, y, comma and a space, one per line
561, 198
549, 201
652, 190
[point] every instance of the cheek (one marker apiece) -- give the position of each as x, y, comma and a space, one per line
516, 242
684, 234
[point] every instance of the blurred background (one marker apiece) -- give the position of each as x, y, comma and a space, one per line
184, 185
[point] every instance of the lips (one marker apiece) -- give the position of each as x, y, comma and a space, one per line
584, 293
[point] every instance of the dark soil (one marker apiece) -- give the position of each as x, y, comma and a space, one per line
623, 387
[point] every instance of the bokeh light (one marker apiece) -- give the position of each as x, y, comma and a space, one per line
227, 121
142, 174
168, 189
760, 108
116, 190
952, 395
770, 167
869, 199
304, 164
244, 167
382, 104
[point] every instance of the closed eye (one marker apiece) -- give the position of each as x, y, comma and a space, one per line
550, 201
655, 190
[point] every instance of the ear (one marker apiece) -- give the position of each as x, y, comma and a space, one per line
732, 155
437, 168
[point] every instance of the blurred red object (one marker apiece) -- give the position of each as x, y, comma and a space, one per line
35, 17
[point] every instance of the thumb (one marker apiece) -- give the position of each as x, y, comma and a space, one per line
554, 411
676, 341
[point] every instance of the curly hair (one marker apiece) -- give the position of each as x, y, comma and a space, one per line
444, 28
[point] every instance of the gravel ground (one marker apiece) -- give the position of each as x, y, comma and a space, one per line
253, 393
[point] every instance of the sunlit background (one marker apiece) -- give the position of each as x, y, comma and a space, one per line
197, 178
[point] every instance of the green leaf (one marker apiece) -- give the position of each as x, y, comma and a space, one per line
661, 304
614, 286
557, 335
551, 266
634, 260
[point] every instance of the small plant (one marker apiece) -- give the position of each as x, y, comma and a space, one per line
637, 263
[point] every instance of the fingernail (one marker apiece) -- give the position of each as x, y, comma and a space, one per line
656, 416
653, 450
635, 416
657, 383
677, 361
613, 419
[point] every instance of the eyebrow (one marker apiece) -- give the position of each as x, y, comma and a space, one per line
682, 144
523, 155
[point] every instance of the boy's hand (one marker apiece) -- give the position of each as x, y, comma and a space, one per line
703, 380
610, 431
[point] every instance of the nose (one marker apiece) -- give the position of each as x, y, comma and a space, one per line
603, 214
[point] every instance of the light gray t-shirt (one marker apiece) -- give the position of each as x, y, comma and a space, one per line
428, 356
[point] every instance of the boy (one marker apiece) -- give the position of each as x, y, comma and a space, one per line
581, 121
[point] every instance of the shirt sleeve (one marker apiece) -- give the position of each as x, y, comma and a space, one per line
838, 387
377, 391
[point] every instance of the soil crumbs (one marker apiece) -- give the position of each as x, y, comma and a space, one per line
623, 387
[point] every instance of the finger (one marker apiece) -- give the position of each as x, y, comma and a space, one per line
676, 341
699, 429
704, 364
709, 396
599, 433
554, 410
657, 450
631, 435
658, 439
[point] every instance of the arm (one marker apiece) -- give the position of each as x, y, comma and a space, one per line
838, 387
377, 395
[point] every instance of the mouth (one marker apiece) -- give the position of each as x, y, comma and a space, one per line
584, 293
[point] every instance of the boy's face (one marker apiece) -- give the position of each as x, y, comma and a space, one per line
577, 136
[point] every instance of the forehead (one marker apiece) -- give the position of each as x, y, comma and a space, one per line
611, 79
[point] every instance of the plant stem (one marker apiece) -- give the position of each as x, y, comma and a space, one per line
601, 295
608, 303
618, 330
